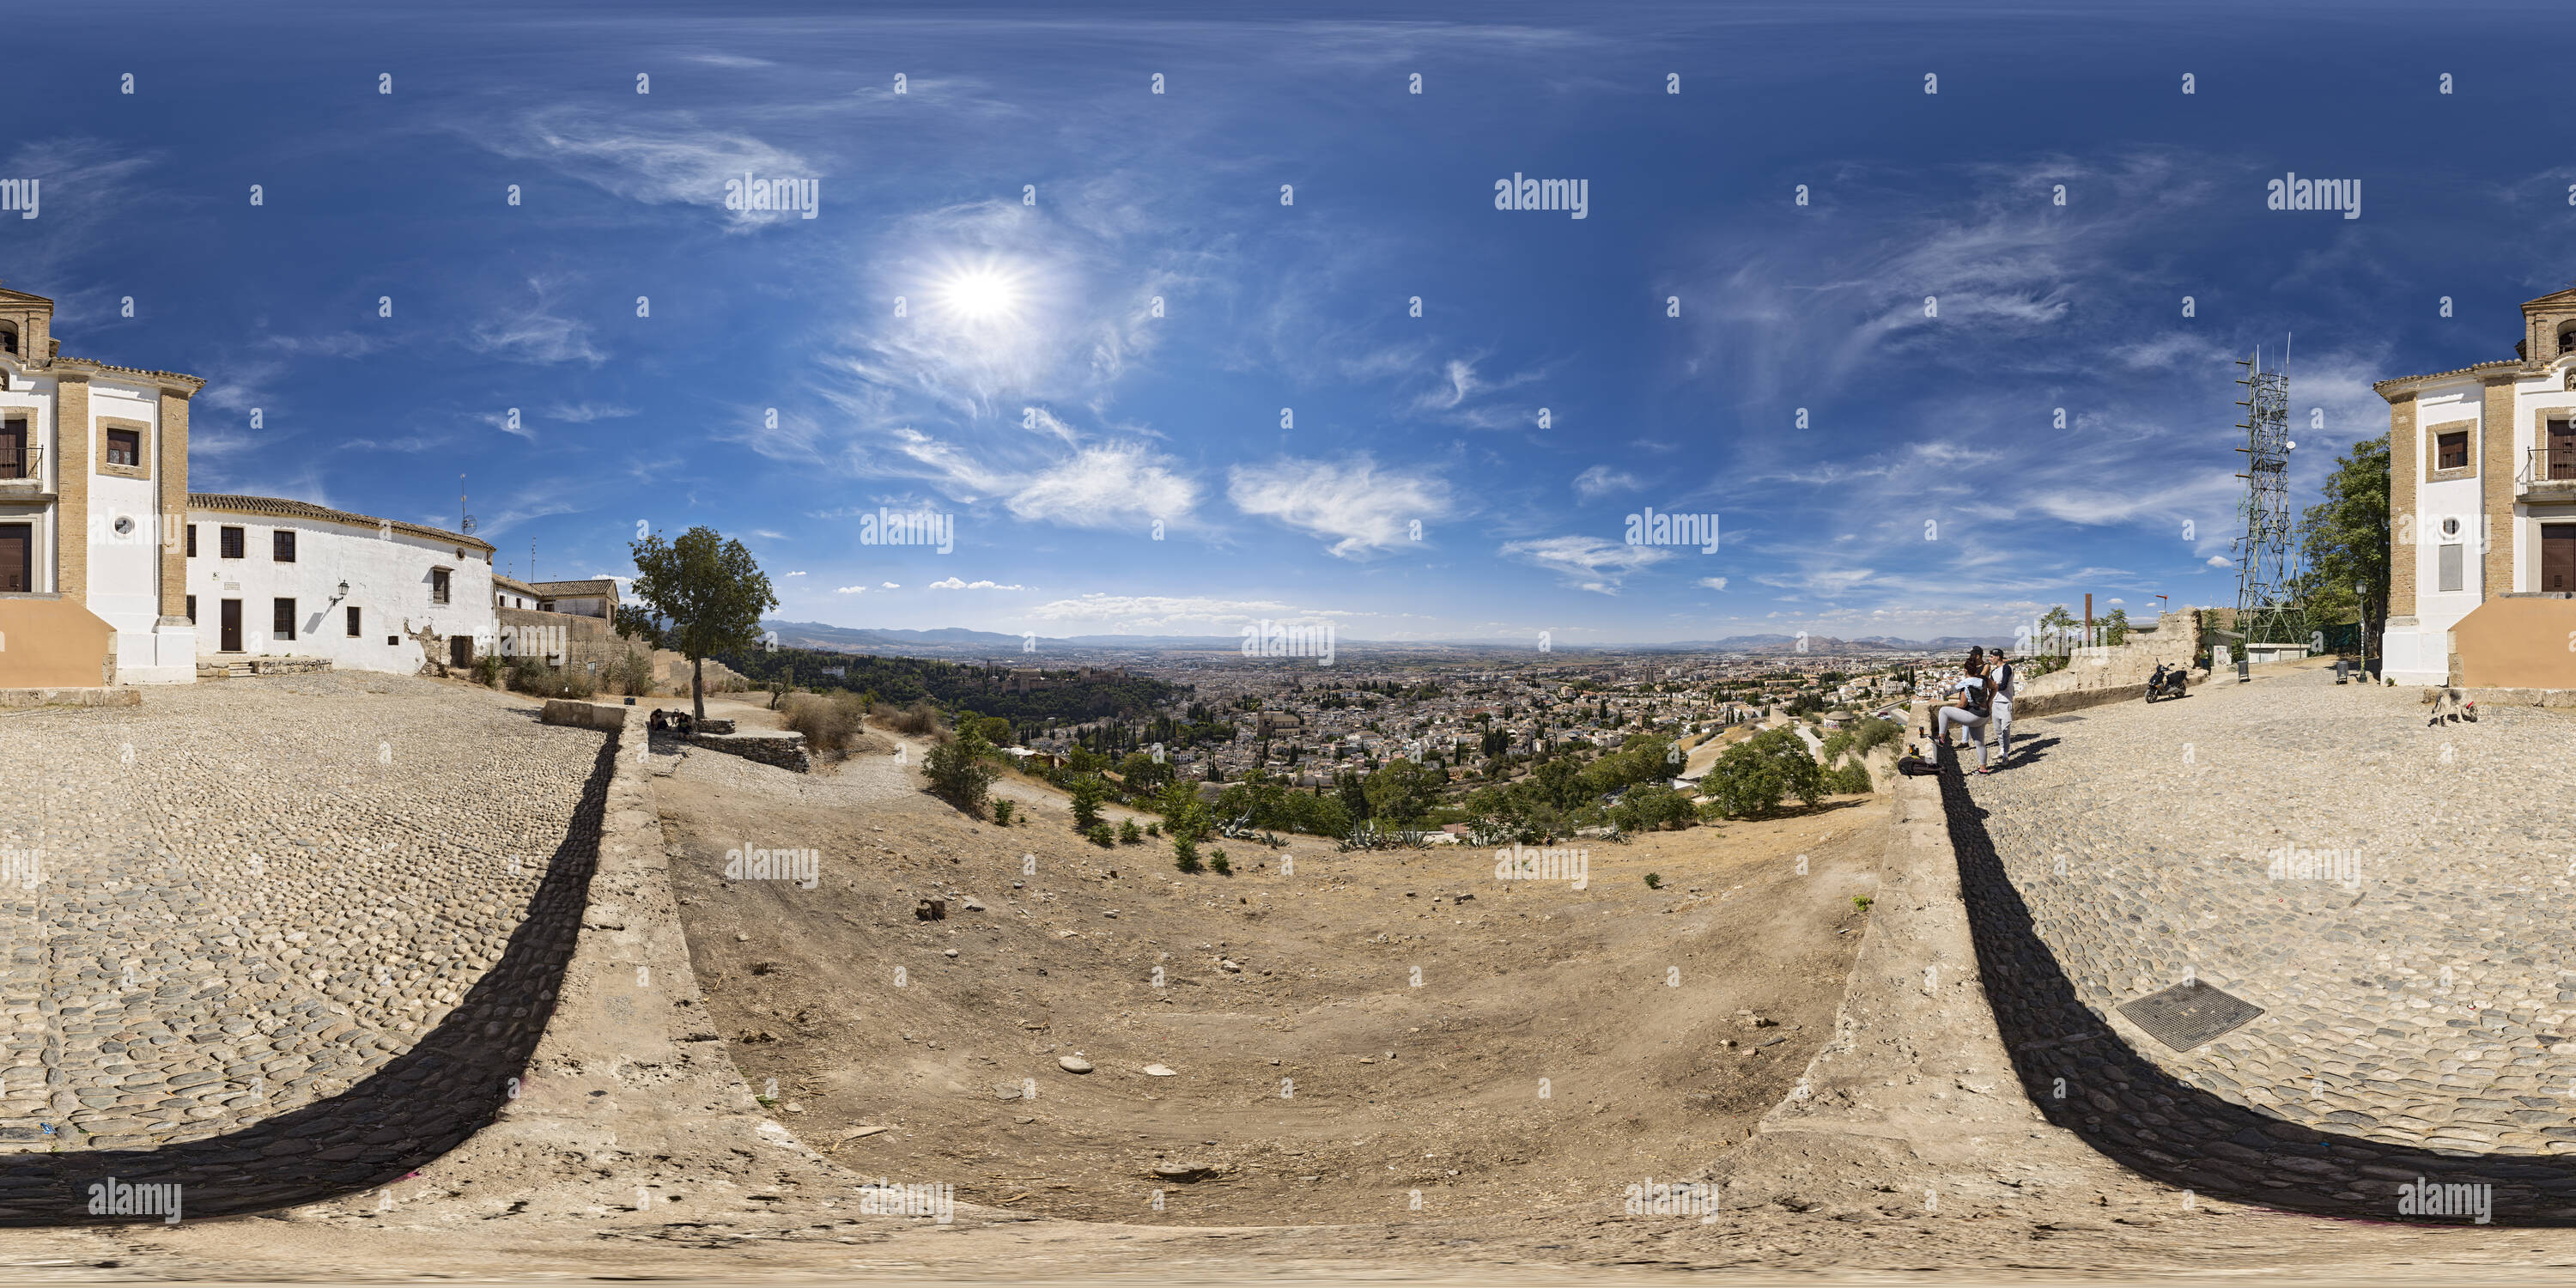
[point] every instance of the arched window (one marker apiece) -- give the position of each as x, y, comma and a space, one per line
8, 337
2566, 338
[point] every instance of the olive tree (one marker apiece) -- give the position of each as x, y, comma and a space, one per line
711, 592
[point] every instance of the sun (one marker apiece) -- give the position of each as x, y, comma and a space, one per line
981, 293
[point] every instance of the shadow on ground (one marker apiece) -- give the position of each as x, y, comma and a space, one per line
2080, 1073
423, 1103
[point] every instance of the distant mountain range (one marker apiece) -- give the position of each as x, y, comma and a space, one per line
958, 642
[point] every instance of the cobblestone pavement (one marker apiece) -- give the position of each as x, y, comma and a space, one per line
2398, 898
241, 899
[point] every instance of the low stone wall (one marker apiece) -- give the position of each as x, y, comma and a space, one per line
630, 1099
227, 668
2173, 641
784, 750
586, 715
19, 699
2512, 697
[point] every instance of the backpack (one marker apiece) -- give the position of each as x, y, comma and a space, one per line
1981, 696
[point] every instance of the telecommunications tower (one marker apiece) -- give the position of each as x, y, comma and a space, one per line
2265, 578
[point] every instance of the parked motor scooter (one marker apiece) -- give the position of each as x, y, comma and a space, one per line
2167, 682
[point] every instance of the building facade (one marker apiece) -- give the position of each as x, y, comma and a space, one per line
2482, 492
93, 481
280, 578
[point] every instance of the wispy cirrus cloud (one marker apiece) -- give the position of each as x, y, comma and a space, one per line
1360, 507
1586, 562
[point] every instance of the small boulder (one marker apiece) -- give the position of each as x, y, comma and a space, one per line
1073, 1064
1158, 1071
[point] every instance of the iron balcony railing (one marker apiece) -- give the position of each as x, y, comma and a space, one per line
22, 464
2550, 465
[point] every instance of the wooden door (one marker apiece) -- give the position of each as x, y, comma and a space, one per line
2562, 451
17, 557
232, 626
13, 449
460, 650
2558, 556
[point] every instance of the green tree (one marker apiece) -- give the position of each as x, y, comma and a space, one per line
1402, 792
1142, 773
958, 771
710, 590
2115, 627
2347, 538
1354, 793
1751, 778
1185, 816
2054, 626
1087, 793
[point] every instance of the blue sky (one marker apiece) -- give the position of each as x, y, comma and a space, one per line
1029, 390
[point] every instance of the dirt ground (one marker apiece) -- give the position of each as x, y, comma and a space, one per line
1404, 1028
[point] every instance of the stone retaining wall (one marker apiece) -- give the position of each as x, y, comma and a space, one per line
784, 750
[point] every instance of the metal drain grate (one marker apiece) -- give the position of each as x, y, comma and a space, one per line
2062, 719
2186, 1015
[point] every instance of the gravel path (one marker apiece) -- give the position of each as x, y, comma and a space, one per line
2397, 898
244, 897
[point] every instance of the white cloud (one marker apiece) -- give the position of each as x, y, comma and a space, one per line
795, 574
651, 158
1601, 480
892, 586
1363, 508
1586, 562
583, 413
2219, 561
850, 590
957, 583
534, 334
1713, 583
1106, 485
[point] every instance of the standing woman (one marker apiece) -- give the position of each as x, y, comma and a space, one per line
2001, 677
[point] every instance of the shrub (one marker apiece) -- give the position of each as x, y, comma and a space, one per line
1654, 881
633, 673
1100, 835
1850, 780
1002, 813
1185, 854
1151, 829
828, 723
1217, 862
958, 772
917, 719
1129, 834
573, 682
487, 670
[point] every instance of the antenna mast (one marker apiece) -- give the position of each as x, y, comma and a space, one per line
2265, 582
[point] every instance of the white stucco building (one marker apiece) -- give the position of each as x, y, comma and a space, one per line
2482, 489
92, 459
273, 577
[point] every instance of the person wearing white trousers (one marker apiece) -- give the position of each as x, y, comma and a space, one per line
2000, 674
